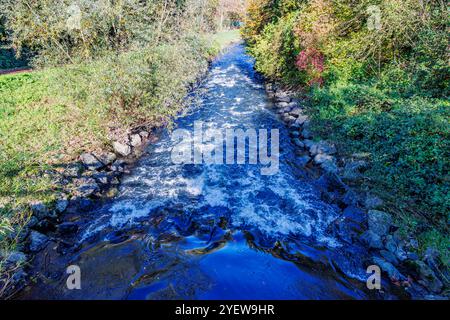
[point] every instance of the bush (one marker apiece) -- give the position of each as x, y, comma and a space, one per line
145, 86
276, 48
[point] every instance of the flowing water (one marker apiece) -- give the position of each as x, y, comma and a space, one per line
211, 231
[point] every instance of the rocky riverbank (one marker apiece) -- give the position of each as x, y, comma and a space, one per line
361, 220
94, 177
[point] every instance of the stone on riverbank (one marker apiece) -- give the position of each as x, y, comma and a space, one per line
37, 241
379, 222
389, 268
322, 147
90, 161
107, 158
372, 240
135, 140
122, 149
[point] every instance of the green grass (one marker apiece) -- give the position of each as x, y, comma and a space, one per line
38, 132
225, 38
407, 143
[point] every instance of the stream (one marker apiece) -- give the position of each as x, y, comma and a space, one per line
206, 231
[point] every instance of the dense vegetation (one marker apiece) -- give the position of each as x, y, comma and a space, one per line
101, 68
377, 78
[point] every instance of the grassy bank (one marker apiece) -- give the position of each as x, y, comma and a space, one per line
46, 122
379, 92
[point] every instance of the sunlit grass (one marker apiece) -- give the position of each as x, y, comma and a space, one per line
226, 37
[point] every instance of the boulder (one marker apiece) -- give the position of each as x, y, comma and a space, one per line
122, 149
321, 158
296, 112
281, 105
329, 166
282, 97
372, 240
391, 244
388, 256
322, 147
144, 134
118, 166
389, 268
90, 161
303, 160
306, 133
73, 170
15, 258
102, 178
295, 133
107, 158
87, 187
288, 119
373, 202
379, 222
135, 140
298, 143
37, 241
355, 214
301, 119
40, 210
287, 109
61, 205
428, 277
308, 143
347, 230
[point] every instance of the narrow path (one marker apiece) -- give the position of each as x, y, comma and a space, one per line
211, 231
14, 71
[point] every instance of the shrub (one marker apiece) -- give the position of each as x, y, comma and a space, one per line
276, 50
